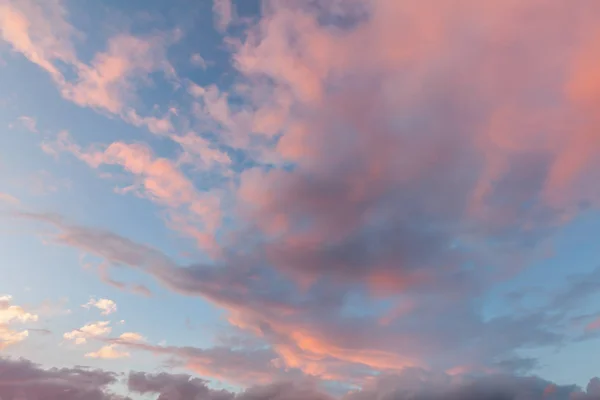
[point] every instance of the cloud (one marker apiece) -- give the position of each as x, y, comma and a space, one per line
132, 337
170, 386
108, 82
40, 32
109, 352
412, 384
10, 315
158, 179
105, 305
195, 90
241, 366
43, 34
397, 161
307, 330
29, 123
593, 326
224, 13
197, 60
24, 379
7, 198
88, 331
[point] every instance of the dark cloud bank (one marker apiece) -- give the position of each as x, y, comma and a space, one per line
24, 380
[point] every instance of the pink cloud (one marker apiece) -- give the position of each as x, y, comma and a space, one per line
108, 82
158, 179
9, 199
412, 140
224, 13
40, 32
593, 326
43, 34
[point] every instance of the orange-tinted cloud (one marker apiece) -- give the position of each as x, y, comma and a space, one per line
9, 316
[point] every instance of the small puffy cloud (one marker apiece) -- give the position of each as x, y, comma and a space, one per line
9, 337
197, 60
106, 306
111, 351
88, 331
132, 337
9, 315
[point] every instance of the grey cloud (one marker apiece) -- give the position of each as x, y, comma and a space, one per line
22, 379
410, 385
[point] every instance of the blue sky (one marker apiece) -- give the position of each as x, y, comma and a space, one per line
253, 192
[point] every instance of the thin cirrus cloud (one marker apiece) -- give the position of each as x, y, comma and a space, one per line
361, 179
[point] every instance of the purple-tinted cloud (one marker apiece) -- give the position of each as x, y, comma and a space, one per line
22, 379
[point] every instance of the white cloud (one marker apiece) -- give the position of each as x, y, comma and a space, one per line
110, 351
89, 331
132, 337
10, 314
105, 305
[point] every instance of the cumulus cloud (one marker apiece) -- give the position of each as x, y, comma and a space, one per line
108, 352
106, 306
88, 331
10, 315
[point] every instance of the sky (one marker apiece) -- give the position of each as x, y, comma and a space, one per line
299, 199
